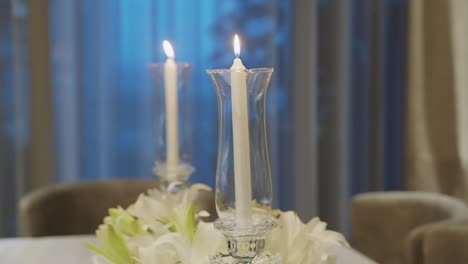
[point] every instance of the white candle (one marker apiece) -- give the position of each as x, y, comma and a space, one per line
172, 119
241, 143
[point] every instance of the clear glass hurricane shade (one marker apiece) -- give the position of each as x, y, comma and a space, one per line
257, 85
184, 169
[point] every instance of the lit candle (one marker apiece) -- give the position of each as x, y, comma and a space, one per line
172, 127
241, 144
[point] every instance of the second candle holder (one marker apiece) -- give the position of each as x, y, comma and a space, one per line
173, 140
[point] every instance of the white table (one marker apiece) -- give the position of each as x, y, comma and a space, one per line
71, 250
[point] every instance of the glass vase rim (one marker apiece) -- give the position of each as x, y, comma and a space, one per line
183, 64
253, 70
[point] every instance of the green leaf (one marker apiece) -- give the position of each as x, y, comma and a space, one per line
185, 221
124, 222
113, 246
117, 247
95, 249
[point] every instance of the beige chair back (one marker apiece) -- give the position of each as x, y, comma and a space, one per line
79, 208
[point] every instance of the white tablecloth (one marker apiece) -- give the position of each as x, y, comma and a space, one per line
71, 250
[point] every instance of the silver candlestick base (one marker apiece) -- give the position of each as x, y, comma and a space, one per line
246, 245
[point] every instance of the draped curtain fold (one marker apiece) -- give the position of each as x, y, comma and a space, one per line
347, 98
437, 121
6, 116
26, 145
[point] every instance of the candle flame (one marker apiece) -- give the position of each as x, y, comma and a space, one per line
168, 49
236, 46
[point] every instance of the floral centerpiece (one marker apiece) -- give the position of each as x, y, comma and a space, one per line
166, 227
161, 228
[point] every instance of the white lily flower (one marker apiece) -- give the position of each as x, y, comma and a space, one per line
168, 249
300, 243
206, 242
176, 248
150, 212
317, 230
136, 242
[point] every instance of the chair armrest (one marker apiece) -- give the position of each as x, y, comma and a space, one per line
446, 243
382, 221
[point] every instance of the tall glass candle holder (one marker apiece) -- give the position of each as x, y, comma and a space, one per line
245, 237
172, 126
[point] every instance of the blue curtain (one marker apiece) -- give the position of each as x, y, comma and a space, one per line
377, 91
361, 62
7, 121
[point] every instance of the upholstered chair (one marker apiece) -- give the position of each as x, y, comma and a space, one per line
446, 243
391, 227
79, 208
